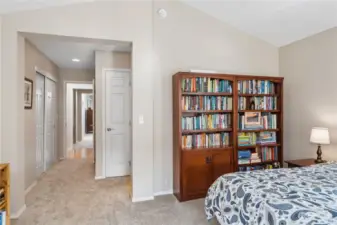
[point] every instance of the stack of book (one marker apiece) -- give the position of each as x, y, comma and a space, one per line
250, 168
243, 126
246, 139
204, 84
207, 121
266, 137
205, 140
269, 153
254, 158
206, 103
260, 103
256, 87
244, 157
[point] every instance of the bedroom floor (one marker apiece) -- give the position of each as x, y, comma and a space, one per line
68, 195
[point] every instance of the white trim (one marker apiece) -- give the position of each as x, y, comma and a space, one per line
18, 213
160, 193
30, 187
99, 177
143, 199
46, 74
103, 114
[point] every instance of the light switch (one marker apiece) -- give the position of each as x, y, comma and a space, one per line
141, 119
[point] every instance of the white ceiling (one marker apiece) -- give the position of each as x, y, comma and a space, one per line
279, 22
61, 50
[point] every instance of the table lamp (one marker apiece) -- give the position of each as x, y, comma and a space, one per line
320, 136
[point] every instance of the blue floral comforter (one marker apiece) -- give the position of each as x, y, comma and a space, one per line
305, 196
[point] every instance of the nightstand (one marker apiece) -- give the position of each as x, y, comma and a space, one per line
300, 163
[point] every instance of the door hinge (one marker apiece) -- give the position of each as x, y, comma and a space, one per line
130, 123
130, 83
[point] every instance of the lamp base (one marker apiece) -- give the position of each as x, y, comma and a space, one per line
320, 161
319, 155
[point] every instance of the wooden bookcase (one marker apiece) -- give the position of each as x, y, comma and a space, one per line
197, 167
5, 184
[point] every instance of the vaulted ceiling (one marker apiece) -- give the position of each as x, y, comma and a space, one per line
278, 22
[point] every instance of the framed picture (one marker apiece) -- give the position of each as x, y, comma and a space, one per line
28, 93
252, 118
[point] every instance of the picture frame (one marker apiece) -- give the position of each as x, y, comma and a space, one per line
252, 118
28, 93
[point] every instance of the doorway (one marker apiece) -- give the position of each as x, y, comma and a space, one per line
78, 144
117, 126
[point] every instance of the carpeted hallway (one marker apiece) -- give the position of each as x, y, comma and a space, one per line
68, 195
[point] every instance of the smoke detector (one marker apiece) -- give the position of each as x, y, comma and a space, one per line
162, 13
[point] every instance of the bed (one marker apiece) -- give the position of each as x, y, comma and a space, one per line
306, 195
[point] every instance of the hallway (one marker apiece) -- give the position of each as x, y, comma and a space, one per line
67, 194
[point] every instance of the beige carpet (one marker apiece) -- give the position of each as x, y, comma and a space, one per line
68, 195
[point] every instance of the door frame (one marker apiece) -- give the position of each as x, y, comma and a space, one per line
64, 122
104, 70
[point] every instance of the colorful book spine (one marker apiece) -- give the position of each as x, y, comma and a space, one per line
204, 84
268, 121
260, 103
206, 103
205, 140
256, 87
269, 153
246, 139
207, 121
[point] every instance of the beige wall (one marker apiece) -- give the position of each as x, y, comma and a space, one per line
160, 48
310, 70
33, 59
104, 60
69, 75
0, 86
189, 39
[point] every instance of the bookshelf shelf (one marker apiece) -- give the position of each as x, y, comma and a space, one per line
257, 95
258, 145
206, 131
207, 111
207, 93
267, 111
209, 149
259, 130
196, 168
258, 163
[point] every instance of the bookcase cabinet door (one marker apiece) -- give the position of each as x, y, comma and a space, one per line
221, 163
197, 170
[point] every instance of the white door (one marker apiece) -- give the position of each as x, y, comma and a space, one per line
39, 118
117, 123
50, 127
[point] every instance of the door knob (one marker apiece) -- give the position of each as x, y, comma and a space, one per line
109, 129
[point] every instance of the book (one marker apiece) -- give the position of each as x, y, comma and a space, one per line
206, 103
260, 103
246, 139
205, 140
204, 84
269, 153
266, 137
268, 121
207, 121
256, 87
3, 218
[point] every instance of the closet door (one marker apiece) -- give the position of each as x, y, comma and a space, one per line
50, 142
39, 118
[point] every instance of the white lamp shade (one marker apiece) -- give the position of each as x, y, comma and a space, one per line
320, 135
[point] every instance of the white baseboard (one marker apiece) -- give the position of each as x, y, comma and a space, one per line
30, 187
160, 193
99, 178
143, 199
18, 213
